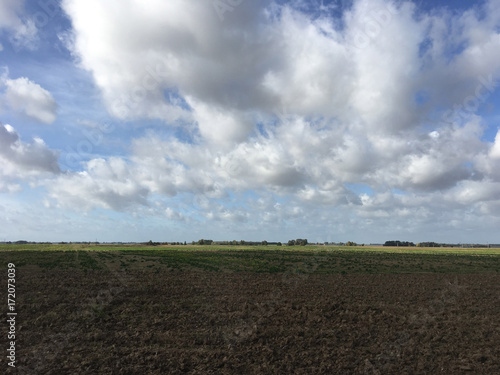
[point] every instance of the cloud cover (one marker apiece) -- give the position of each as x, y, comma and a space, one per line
23, 161
30, 99
372, 116
21, 29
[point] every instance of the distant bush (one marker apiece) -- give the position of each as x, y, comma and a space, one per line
205, 242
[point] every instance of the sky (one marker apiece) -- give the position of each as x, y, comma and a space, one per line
335, 121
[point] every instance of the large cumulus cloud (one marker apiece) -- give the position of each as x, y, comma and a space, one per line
281, 102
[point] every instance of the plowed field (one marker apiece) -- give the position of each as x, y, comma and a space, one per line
139, 320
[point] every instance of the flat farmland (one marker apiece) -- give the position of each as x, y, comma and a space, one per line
254, 310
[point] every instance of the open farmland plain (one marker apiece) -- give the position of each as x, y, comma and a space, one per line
254, 310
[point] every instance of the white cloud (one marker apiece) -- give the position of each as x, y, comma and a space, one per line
487, 163
22, 30
259, 60
23, 161
30, 99
104, 184
173, 215
219, 125
471, 192
495, 150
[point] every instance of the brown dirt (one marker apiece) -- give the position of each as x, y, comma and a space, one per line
170, 322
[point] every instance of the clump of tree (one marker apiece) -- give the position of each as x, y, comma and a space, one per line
151, 243
399, 243
350, 243
205, 242
297, 242
264, 243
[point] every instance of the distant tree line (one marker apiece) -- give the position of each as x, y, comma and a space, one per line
429, 244
399, 243
151, 243
297, 242
469, 245
434, 244
235, 243
205, 242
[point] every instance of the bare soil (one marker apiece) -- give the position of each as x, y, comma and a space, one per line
181, 322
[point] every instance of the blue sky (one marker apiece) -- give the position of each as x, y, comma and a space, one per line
336, 121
